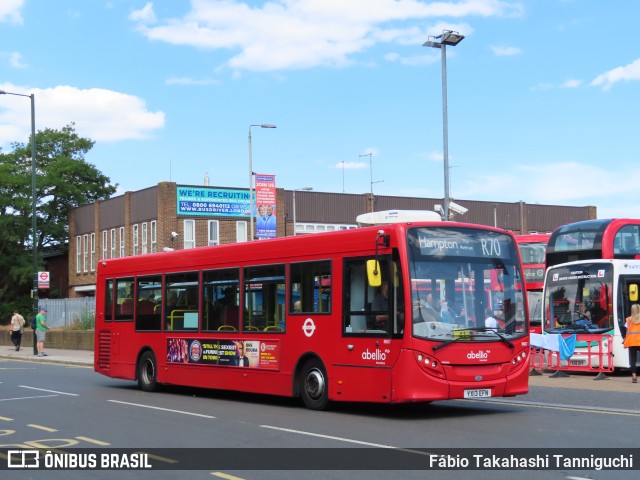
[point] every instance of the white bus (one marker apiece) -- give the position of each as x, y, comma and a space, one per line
594, 297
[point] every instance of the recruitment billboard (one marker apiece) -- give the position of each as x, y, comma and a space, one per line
212, 202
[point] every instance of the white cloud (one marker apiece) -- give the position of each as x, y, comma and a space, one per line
434, 156
15, 60
189, 81
145, 15
10, 11
501, 51
295, 34
626, 73
102, 115
351, 165
414, 61
571, 83
535, 184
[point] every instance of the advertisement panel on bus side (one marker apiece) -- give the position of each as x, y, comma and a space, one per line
263, 354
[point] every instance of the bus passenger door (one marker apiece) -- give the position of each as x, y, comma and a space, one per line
371, 316
630, 293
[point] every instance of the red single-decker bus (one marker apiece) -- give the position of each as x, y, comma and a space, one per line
325, 317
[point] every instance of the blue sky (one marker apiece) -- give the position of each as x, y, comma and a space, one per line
543, 95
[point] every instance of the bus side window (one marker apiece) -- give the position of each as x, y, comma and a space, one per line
220, 300
124, 299
264, 299
148, 291
108, 301
310, 287
181, 308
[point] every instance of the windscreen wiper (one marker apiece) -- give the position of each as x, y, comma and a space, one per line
475, 329
502, 337
444, 344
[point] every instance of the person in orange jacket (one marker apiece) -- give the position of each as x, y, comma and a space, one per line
632, 339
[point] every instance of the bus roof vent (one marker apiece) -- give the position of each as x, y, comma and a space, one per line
396, 216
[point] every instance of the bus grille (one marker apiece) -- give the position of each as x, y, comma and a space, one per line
104, 349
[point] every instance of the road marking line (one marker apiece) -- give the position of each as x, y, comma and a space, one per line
159, 458
328, 437
557, 406
52, 391
162, 409
226, 475
26, 398
348, 440
40, 427
91, 440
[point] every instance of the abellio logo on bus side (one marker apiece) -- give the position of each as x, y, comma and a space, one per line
378, 356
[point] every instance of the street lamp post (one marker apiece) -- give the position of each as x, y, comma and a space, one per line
451, 38
33, 197
294, 206
261, 125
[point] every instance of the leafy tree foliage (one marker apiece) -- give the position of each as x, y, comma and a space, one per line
64, 180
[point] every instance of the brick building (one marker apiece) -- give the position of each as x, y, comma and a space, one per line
153, 220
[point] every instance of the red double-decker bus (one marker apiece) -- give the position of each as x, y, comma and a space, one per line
617, 238
325, 317
591, 283
532, 253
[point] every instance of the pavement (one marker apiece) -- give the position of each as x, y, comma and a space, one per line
616, 382
54, 355
619, 381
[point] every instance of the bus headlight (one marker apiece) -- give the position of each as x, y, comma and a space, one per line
519, 359
430, 364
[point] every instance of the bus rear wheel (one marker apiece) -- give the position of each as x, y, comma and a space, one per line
148, 372
315, 389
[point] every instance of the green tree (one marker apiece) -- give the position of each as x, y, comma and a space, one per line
64, 180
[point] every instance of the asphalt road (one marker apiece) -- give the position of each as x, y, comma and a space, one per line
64, 407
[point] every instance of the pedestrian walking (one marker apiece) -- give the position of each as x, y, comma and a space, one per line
41, 330
17, 327
632, 339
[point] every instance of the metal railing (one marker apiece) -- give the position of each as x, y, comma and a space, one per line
66, 312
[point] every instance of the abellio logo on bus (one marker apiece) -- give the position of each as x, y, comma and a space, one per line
481, 355
377, 356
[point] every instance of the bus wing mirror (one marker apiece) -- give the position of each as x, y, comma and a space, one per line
633, 292
374, 276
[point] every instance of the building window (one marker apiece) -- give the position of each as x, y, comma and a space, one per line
85, 253
105, 246
304, 228
93, 252
241, 231
135, 240
154, 236
144, 238
122, 244
113, 243
78, 253
189, 234
214, 237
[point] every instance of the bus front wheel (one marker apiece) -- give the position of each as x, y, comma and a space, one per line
148, 372
314, 391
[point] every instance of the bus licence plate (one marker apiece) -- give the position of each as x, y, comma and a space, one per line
478, 393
